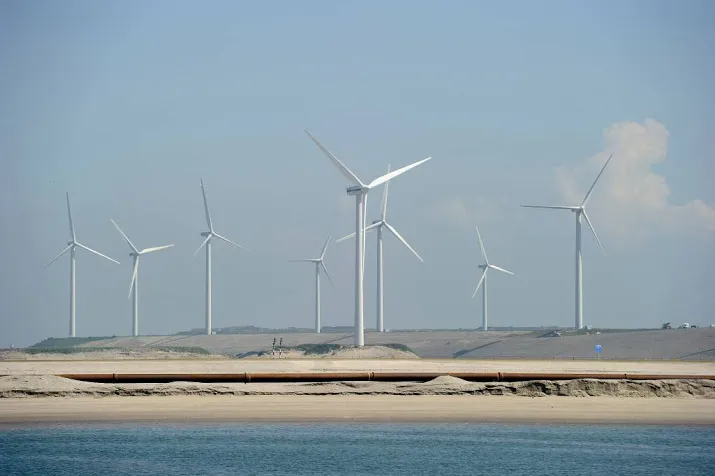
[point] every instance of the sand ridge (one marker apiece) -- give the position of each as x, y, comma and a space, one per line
53, 386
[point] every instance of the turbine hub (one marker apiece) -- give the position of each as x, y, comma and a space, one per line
356, 190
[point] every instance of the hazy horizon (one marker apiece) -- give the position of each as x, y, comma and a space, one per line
127, 106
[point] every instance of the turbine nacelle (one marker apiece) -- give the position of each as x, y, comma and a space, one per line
357, 189
206, 233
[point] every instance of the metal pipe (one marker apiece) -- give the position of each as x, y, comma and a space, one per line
245, 377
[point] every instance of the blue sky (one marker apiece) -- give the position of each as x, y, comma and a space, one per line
126, 105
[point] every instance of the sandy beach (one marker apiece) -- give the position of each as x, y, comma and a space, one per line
32, 392
58, 366
281, 408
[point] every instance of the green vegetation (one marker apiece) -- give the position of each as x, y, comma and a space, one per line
65, 342
401, 347
77, 350
317, 349
322, 349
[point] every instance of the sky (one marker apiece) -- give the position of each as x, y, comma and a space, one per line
127, 105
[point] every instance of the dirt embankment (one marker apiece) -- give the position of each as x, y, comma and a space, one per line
347, 352
109, 354
52, 386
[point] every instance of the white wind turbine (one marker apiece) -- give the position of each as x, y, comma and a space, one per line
71, 245
211, 233
483, 280
134, 284
360, 190
580, 210
318, 264
378, 225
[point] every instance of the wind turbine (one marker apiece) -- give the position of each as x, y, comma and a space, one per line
486, 267
579, 211
207, 242
318, 264
360, 190
71, 245
378, 225
134, 284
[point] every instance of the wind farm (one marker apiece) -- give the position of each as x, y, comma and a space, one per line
358, 189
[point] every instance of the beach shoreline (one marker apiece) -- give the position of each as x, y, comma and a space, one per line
18, 412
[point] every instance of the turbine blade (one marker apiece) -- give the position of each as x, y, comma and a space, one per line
309, 260
325, 246
594, 232
69, 214
326, 273
383, 208
367, 229
484, 273
347, 173
391, 175
558, 207
404, 242
126, 238
202, 244
206, 207
493, 266
59, 255
134, 276
481, 245
230, 242
155, 248
95, 252
588, 194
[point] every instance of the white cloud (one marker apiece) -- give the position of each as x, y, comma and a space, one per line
631, 199
462, 212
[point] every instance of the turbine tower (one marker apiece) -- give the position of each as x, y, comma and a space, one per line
318, 264
580, 210
71, 246
134, 284
360, 190
378, 225
211, 233
483, 280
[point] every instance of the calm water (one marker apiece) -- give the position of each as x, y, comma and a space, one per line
368, 449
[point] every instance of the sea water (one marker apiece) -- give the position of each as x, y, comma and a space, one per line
352, 449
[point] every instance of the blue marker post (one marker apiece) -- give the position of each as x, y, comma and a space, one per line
598, 351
